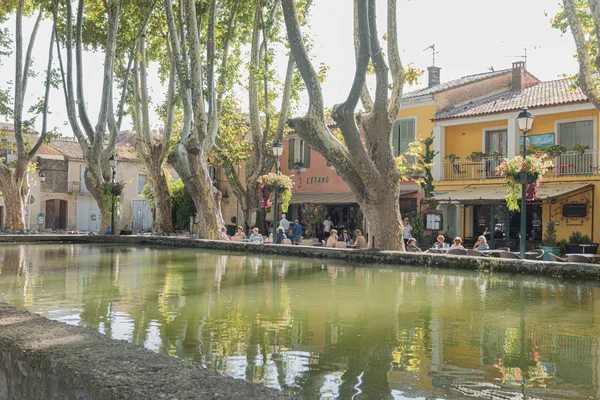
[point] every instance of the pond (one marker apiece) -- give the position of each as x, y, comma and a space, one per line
321, 328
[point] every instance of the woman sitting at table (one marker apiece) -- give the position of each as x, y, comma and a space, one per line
412, 246
256, 237
333, 237
360, 242
239, 235
280, 235
481, 244
440, 244
457, 243
345, 237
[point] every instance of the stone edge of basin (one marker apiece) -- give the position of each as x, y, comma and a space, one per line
43, 359
552, 269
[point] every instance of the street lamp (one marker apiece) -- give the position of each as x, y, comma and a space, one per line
277, 152
525, 121
112, 161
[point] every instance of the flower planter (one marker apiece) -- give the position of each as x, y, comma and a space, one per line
526, 178
573, 248
548, 250
476, 159
591, 248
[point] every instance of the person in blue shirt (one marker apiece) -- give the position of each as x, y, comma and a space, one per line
297, 232
256, 237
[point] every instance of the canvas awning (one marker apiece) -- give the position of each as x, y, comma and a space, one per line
340, 198
484, 194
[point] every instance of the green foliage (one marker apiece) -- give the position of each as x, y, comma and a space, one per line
452, 157
426, 162
578, 238
563, 246
183, 205
313, 214
555, 149
417, 222
107, 190
550, 235
476, 155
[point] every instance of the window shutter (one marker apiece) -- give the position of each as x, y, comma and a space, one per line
306, 160
291, 154
395, 140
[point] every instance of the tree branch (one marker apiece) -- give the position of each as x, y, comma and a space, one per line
168, 128
27, 63
365, 95
586, 80
285, 99
85, 120
225, 56
253, 106
381, 69
395, 62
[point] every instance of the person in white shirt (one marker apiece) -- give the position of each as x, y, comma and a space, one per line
284, 223
327, 224
224, 234
256, 237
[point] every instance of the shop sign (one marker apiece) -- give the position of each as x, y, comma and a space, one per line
575, 210
317, 179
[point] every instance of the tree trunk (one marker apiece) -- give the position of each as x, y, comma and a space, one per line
93, 180
207, 199
383, 216
14, 206
163, 208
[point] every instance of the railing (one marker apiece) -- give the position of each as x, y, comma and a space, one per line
576, 163
470, 170
569, 163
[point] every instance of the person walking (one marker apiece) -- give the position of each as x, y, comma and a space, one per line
407, 231
297, 232
327, 225
284, 223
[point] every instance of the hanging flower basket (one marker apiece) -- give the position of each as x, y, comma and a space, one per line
518, 171
112, 189
278, 183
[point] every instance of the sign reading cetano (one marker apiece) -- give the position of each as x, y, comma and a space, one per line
317, 179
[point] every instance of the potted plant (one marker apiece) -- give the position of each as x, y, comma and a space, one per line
495, 154
576, 239
581, 148
555, 150
476, 156
451, 157
277, 183
549, 242
518, 171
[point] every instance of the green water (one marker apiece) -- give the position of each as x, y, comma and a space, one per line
317, 328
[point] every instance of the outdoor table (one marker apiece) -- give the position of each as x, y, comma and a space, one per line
593, 257
583, 246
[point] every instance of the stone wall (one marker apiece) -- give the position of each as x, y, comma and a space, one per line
43, 359
357, 257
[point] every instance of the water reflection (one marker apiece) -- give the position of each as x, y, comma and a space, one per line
318, 329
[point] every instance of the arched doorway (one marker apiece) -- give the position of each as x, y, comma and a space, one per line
56, 214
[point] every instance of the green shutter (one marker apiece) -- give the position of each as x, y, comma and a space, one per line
291, 154
395, 135
306, 160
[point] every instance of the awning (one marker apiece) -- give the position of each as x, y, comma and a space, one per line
323, 198
479, 194
340, 198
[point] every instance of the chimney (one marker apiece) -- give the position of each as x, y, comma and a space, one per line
434, 76
517, 75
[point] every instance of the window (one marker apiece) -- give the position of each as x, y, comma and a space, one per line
496, 141
141, 182
403, 135
576, 132
299, 154
433, 221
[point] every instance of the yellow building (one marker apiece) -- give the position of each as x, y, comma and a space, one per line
477, 114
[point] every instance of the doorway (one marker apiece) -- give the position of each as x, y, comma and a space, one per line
56, 214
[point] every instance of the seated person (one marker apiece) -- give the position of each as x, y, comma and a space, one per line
239, 235
440, 244
457, 243
345, 237
297, 232
498, 234
481, 244
126, 231
280, 235
224, 235
360, 242
333, 237
256, 237
486, 233
412, 246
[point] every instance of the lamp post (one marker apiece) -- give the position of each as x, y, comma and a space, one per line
277, 152
525, 121
112, 161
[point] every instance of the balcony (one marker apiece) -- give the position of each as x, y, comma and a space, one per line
570, 163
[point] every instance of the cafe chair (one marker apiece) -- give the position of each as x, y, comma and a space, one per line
475, 253
457, 252
555, 258
307, 242
508, 254
503, 248
578, 259
340, 245
537, 254
286, 241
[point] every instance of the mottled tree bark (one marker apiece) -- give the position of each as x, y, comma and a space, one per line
367, 165
14, 178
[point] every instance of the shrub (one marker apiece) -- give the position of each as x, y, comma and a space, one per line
576, 238
550, 235
563, 247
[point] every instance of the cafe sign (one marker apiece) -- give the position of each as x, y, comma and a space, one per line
314, 180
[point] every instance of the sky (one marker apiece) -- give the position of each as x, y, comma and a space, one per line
470, 36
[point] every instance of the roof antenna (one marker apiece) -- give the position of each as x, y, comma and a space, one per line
524, 56
433, 53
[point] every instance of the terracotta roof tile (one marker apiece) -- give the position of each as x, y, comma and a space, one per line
465, 80
71, 149
46, 150
544, 94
